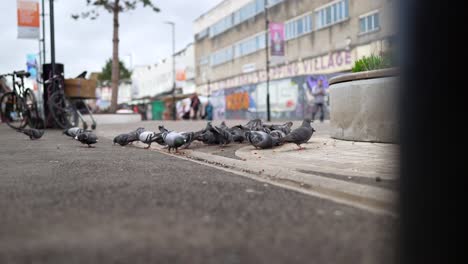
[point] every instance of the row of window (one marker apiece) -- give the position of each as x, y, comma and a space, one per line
332, 13
298, 27
369, 23
244, 13
293, 29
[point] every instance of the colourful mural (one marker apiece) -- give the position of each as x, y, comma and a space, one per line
290, 99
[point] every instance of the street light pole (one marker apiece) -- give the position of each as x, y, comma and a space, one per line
52, 40
43, 33
173, 70
267, 24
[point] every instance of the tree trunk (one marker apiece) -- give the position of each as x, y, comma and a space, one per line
115, 60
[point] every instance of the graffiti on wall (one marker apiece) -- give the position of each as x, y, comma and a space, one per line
290, 98
237, 101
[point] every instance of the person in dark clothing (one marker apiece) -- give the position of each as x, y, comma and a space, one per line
195, 105
142, 109
208, 111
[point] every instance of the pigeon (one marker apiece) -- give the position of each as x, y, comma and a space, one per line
32, 132
209, 135
223, 125
256, 125
87, 138
122, 139
175, 140
190, 137
253, 124
259, 139
162, 129
300, 135
277, 135
73, 131
224, 135
128, 138
149, 137
209, 138
238, 134
285, 128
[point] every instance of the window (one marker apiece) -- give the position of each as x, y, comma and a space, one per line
202, 34
221, 56
369, 22
259, 6
249, 45
298, 26
274, 2
332, 13
204, 60
221, 26
246, 12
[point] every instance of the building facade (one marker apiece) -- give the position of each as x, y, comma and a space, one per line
322, 39
155, 79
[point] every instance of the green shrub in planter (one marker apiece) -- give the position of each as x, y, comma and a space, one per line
372, 62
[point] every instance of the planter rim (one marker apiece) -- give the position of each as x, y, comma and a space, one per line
388, 72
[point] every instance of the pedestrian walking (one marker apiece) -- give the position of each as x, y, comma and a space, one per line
318, 91
194, 105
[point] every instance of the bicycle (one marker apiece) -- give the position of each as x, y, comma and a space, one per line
19, 107
63, 109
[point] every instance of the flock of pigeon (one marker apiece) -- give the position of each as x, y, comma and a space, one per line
255, 132
84, 136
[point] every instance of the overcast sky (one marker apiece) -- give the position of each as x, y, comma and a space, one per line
86, 44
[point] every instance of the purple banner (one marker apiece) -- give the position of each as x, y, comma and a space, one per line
277, 39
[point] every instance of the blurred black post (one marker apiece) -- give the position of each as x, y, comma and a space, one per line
267, 41
52, 40
426, 131
43, 33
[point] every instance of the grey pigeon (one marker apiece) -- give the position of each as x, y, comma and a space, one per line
122, 139
285, 128
129, 138
223, 125
277, 135
149, 137
87, 138
300, 135
224, 135
174, 140
73, 131
256, 125
162, 129
260, 139
32, 133
238, 134
209, 135
189, 138
209, 138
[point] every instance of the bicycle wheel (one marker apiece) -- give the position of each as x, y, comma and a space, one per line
12, 110
61, 110
32, 112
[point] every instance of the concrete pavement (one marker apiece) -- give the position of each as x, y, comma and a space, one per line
359, 173
62, 202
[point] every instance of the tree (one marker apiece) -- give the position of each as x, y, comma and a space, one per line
114, 7
106, 73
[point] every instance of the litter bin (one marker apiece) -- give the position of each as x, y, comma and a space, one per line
157, 110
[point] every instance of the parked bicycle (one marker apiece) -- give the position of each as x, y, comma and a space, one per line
19, 107
63, 109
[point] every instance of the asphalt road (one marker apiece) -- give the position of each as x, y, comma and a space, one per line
61, 202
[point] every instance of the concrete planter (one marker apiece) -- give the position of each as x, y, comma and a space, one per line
364, 106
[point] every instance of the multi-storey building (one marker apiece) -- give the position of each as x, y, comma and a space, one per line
322, 38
